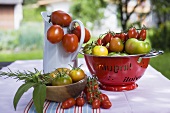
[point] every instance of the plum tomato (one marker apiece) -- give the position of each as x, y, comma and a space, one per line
70, 42
142, 35
68, 103
103, 97
123, 36
100, 51
116, 45
106, 104
80, 101
55, 34
61, 79
60, 18
132, 33
77, 74
106, 39
77, 32
96, 103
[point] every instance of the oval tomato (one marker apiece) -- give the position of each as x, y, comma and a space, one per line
100, 51
70, 42
106, 104
77, 74
80, 101
77, 32
116, 45
123, 36
132, 33
55, 34
103, 97
107, 38
68, 103
96, 103
142, 35
60, 18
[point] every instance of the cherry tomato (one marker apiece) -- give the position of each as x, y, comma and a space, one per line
142, 35
89, 97
99, 41
106, 104
96, 103
123, 36
116, 45
107, 38
77, 74
100, 51
68, 103
62, 79
103, 97
60, 18
80, 101
116, 35
70, 42
55, 34
77, 32
132, 33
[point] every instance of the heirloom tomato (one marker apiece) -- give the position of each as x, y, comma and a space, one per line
77, 32
116, 45
100, 51
59, 71
68, 103
55, 34
70, 42
77, 74
61, 79
135, 46
60, 18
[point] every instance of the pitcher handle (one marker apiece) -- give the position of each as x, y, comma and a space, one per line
74, 55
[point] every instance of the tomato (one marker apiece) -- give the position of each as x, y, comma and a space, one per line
135, 46
106, 104
107, 38
117, 54
116, 35
96, 103
132, 33
123, 36
58, 71
142, 35
99, 41
55, 34
77, 32
60, 18
100, 51
68, 103
77, 74
103, 97
116, 45
90, 97
62, 79
70, 42
80, 101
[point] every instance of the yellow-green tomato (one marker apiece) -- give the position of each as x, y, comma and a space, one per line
62, 80
77, 74
100, 51
135, 46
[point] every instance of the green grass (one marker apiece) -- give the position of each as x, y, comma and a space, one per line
162, 64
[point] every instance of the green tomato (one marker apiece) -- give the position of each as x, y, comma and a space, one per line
114, 54
135, 46
62, 80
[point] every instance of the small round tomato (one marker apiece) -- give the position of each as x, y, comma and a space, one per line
107, 38
103, 97
55, 34
106, 104
100, 51
89, 97
61, 80
116, 45
132, 33
68, 103
123, 36
142, 35
70, 42
60, 18
96, 103
77, 74
77, 32
80, 101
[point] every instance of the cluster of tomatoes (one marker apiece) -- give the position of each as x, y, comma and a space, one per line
55, 33
65, 76
93, 97
121, 43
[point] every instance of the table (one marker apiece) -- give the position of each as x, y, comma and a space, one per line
151, 96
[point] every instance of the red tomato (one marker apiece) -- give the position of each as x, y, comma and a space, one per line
96, 103
132, 33
68, 103
106, 104
142, 35
123, 36
77, 32
103, 97
90, 97
55, 34
116, 35
60, 18
70, 42
99, 41
107, 39
80, 101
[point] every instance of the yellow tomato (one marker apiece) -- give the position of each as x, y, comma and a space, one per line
100, 51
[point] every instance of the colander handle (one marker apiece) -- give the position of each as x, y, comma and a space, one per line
153, 54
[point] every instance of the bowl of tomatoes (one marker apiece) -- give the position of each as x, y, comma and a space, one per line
65, 83
118, 60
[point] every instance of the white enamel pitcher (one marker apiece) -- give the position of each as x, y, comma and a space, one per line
54, 54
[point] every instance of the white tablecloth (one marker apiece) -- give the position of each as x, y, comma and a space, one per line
151, 96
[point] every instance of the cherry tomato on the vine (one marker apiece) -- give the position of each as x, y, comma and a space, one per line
70, 42
142, 35
106, 104
55, 34
60, 18
123, 36
132, 33
103, 97
80, 101
107, 38
68, 103
96, 103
